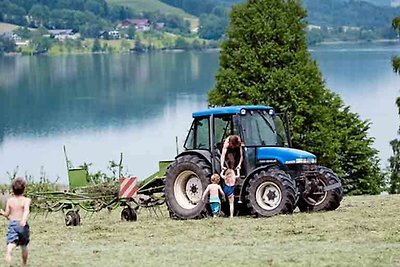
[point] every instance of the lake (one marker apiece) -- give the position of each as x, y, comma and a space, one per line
101, 105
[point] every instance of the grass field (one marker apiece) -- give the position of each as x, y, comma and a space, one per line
155, 5
364, 231
7, 27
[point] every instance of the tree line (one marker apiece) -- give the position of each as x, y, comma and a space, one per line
88, 17
331, 15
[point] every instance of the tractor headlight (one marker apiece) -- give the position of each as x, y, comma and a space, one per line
243, 111
302, 161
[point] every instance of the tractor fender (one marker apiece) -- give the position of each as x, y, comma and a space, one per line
251, 175
204, 154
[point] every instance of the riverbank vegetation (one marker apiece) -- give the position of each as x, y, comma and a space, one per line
142, 42
362, 232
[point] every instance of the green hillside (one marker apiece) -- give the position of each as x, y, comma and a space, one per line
155, 5
7, 27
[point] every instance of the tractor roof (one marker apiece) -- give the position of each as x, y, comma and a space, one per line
227, 110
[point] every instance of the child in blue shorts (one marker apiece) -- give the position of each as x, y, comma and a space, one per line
229, 187
214, 189
17, 212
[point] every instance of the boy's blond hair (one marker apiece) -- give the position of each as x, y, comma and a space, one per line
215, 178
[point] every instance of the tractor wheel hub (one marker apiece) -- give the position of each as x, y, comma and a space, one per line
193, 190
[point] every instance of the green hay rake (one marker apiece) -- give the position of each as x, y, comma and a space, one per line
83, 194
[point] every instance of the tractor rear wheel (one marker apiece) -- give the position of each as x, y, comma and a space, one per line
185, 182
319, 199
271, 192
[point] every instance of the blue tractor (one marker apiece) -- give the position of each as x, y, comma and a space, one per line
275, 178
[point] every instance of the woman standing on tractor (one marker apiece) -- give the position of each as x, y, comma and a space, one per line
232, 153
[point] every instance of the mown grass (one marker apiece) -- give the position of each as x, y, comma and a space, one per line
364, 231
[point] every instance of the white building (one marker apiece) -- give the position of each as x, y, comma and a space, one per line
63, 34
395, 3
114, 34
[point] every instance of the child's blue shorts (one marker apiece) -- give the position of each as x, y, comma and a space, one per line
215, 207
17, 234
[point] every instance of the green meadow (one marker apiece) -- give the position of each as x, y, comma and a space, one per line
364, 231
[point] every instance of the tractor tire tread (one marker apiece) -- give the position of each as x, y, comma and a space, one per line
289, 191
192, 159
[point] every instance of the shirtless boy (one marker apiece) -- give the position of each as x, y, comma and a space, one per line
214, 189
17, 211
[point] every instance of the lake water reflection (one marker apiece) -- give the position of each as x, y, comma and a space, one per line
101, 105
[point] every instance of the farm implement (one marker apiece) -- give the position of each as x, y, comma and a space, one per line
83, 194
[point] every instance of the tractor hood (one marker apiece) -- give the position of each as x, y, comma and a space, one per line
285, 155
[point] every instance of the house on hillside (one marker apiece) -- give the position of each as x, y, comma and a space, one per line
109, 35
63, 34
160, 25
16, 38
141, 25
311, 27
114, 34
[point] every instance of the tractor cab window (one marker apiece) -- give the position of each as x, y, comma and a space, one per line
282, 137
198, 137
189, 143
202, 134
222, 129
258, 129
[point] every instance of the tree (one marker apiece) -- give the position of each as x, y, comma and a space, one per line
40, 14
212, 27
265, 60
42, 44
131, 32
96, 46
7, 45
139, 46
23, 32
394, 160
181, 43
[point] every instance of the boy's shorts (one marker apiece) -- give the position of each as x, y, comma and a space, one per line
215, 207
17, 234
228, 190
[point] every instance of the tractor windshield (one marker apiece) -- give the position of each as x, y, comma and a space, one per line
259, 129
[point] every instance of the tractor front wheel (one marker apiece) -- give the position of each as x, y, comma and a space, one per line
270, 192
318, 198
185, 182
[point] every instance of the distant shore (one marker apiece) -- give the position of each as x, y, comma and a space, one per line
114, 47
358, 42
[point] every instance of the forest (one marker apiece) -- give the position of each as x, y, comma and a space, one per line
88, 17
